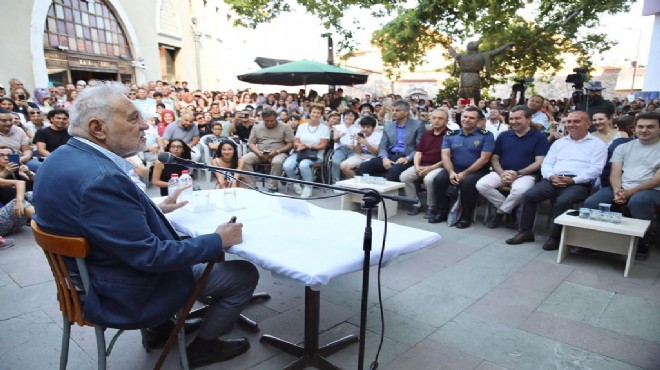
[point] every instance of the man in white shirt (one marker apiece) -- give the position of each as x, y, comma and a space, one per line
635, 176
568, 170
495, 123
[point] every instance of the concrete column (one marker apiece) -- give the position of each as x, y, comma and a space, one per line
652, 77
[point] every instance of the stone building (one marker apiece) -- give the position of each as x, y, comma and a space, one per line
62, 41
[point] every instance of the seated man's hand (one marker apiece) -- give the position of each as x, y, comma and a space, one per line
402, 160
170, 203
231, 234
387, 163
622, 196
455, 178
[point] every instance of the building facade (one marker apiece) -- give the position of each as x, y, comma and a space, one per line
62, 41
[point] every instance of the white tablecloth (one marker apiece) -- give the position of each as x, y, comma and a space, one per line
312, 248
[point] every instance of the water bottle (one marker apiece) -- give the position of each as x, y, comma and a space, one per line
173, 184
183, 181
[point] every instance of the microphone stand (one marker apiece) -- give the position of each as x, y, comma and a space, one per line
370, 200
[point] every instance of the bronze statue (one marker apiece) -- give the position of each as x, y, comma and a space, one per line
471, 63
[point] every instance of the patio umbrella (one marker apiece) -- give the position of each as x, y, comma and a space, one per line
304, 72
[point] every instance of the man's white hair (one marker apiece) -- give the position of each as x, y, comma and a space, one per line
94, 102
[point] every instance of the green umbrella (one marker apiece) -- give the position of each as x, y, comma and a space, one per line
304, 72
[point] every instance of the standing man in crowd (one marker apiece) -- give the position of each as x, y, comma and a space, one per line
635, 177
396, 150
571, 165
186, 131
270, 143
465, 156
427, 163
535, 103
516, 161
141, 272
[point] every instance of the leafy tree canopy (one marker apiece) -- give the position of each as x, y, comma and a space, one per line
540, 30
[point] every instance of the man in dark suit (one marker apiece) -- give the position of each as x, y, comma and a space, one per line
397, 146
141, 273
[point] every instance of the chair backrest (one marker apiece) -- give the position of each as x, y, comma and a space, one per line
55, 248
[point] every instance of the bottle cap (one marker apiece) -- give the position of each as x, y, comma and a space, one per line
184, 172
175, 176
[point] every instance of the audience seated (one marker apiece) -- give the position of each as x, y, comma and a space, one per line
568, 170
635, 176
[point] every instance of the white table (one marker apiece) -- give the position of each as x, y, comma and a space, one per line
389, 188
602, 236
311, 245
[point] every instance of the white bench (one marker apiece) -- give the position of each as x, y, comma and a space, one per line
602, 236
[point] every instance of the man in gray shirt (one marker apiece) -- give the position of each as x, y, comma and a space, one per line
183, 130
635, 176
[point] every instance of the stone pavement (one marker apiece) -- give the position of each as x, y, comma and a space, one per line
469, 302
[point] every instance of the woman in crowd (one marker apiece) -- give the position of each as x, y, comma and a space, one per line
280, 106
605, 129
15, 197
227, 157
283, 116
163, 171
21, 96
166, 117
310, 144
71, 95
42, 99
7, 103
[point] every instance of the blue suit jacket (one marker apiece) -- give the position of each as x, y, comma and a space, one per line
414, 131
140, 272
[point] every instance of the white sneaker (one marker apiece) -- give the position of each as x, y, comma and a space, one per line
306, 192
297, 188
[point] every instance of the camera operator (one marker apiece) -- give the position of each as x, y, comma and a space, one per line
594, 102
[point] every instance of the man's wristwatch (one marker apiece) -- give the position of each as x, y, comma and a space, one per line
518, 173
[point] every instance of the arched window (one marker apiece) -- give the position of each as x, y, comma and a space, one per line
87, 27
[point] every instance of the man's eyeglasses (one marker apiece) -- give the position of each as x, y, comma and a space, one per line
39, 113
5, 120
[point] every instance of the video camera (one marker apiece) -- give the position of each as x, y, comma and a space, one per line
578, 78
520, 83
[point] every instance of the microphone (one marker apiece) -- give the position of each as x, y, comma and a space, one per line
169, 158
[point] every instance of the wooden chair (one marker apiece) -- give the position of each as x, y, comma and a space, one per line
57, 248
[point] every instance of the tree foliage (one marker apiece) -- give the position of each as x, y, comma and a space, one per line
541, 30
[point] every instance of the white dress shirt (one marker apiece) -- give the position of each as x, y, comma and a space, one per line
583, 158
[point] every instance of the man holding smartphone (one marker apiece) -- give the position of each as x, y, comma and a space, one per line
14, 137
269, 142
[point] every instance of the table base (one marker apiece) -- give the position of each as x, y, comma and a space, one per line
310, 354
598, 240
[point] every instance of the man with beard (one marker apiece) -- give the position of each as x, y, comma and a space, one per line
594, 101
185, 131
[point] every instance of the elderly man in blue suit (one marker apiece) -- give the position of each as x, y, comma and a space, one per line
141, 273
397, 146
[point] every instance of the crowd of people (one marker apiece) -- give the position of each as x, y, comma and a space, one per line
513, 155
445, 154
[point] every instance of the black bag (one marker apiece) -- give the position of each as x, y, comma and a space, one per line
307, 154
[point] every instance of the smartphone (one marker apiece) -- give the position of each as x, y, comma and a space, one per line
560, 128
266, 151
573, 213
14, 158
360, 134
21, 97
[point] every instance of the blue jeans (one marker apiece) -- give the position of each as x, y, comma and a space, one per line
641, 205
305, 167
340, 154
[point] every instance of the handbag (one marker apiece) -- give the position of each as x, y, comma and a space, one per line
310, 154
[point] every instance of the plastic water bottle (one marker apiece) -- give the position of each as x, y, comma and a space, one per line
183, 181
173, 184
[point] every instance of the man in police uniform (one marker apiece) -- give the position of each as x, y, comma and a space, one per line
465, 156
